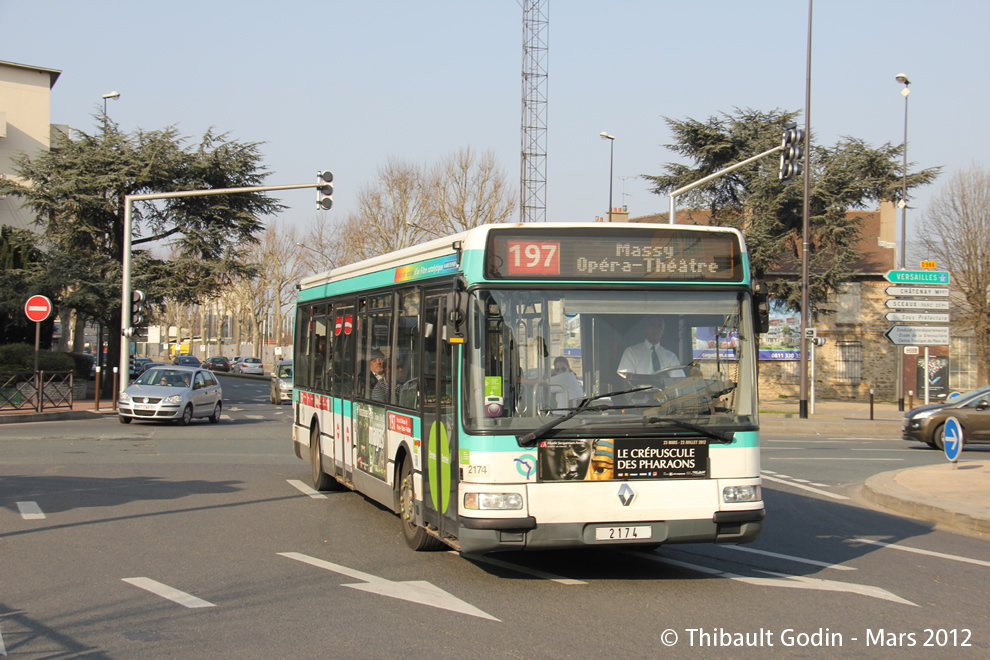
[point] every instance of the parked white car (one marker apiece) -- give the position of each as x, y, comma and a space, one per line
250, 365
168, 393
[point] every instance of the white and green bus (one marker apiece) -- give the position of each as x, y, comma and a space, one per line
492, 387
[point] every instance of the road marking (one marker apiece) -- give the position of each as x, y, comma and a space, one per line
3, 649
414, 591
306, 490
930, 553
30, 511
167, 592
785, 581
829, 458
807, 488
523, 569
838, 567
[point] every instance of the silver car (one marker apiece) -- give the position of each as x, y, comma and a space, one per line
281, 388
250, 365
170, 393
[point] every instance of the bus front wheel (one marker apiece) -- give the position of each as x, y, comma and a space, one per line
416, 537
321, 480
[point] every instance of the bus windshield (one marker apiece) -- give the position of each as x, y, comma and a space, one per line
535, 356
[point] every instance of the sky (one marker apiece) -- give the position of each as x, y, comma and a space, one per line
347, 85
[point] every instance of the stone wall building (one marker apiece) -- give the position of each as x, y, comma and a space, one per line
856, 356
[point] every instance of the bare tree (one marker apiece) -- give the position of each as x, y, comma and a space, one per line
468, 191
281, 266
394, 212
322, 246
955, 233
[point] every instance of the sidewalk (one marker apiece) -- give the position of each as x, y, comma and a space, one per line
957, 497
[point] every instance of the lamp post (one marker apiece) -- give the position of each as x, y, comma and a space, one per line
611, 161
904, 80
112, 95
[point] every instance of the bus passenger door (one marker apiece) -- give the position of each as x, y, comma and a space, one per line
439, 423
343, 382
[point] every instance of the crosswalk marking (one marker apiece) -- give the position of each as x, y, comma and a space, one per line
306, 490
167, 592
30, 511
525, 570
788, 482
813, 562
930, 553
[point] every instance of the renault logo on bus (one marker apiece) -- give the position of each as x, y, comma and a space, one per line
626, 495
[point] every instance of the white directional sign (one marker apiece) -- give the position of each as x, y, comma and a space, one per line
915, 317
910, 303
930, 291
918, 335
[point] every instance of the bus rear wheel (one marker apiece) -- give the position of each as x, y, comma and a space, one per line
416, 537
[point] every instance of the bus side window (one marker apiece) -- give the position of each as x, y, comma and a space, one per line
407, 345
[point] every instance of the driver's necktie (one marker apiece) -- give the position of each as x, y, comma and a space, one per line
656, 359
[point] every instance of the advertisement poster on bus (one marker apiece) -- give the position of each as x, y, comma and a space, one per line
370, 439
604, 459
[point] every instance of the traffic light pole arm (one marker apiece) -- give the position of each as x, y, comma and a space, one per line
125, 288
711, 177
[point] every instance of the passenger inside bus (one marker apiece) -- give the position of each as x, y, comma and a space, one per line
567, 379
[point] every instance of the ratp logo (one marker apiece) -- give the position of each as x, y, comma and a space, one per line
525, 466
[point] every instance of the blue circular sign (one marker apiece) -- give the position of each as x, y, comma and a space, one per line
953, 439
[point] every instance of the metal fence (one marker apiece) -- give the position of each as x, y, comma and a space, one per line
38, 391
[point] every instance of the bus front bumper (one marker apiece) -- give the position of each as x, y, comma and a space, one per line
479, 536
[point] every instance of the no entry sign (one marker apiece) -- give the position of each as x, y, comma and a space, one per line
38, 308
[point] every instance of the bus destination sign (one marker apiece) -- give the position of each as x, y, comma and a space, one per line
676, 254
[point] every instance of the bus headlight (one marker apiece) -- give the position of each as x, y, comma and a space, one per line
493, 501
733, 494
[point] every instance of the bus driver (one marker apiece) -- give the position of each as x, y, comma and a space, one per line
647, 356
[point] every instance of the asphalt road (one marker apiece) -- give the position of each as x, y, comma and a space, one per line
146, 541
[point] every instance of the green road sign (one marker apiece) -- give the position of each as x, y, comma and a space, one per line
917, 276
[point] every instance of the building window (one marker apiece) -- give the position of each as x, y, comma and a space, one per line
848, 362
790, 371
962, 364
847, 304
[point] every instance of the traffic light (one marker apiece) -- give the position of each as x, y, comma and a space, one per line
137, 308
324, 189
791, 164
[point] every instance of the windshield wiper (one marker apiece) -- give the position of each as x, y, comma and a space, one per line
529, 439
723, 437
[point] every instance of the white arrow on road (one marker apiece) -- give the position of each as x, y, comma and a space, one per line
415, 591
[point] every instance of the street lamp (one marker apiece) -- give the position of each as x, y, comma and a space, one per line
611, 160
904, 80
112, 95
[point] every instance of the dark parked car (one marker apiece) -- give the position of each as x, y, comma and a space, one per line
927, 423
187, 361
218, 363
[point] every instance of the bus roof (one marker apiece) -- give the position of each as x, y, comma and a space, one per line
476, 239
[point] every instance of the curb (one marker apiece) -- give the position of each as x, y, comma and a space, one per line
882, 490
54, 416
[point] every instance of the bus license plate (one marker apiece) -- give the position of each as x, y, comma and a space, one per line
623, 533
